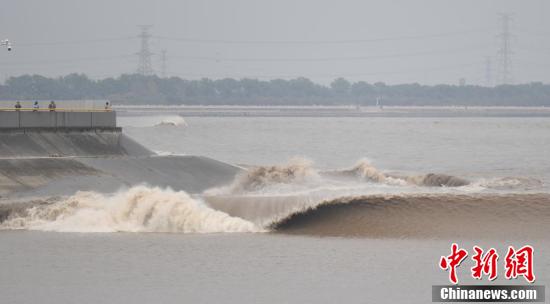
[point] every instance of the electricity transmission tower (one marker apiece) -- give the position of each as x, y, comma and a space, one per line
163, 63
505, 52
144, 55
488, 72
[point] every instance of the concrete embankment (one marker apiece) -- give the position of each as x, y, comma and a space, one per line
42, 142
54, 162
64, 176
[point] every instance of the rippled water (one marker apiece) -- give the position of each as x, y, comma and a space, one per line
469, 147
51, 267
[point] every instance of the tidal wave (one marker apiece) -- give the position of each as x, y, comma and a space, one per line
423, 216
297, 198
365, 171
298, 171
139, 209
300, 176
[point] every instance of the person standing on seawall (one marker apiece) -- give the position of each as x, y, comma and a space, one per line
35, 106
52, 106
18, 106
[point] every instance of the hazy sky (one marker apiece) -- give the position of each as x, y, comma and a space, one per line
424, 41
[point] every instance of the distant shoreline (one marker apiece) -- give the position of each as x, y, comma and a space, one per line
139, 89
332, 111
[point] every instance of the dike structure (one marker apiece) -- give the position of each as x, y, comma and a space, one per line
51, 153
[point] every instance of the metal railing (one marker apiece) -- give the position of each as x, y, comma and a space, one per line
46, 119
61, 105
54, 110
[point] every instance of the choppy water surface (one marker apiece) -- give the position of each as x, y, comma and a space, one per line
464, 146
331, 209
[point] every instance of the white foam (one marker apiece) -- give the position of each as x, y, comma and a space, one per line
172, 121
139, 209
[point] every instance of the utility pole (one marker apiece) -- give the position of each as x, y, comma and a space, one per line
505, 52
163, 63
144, 55
488, 72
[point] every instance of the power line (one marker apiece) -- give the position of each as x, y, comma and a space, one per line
383, 39
400, 72
72, 60
320, 59
541, 65
537, 33
144, 55
334, 75
76, 42
129, 38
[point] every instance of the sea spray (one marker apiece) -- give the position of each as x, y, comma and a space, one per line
366, 171
300, 176
510, 183
298, 171
172, 121
138, 209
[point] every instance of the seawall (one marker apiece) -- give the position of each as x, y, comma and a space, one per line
47, 153
44, 177
57, 119
43, 142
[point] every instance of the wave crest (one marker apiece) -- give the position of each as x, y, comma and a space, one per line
297, 171
139, 209
176, 121
511, 183
423, 215
364, 170
438, 180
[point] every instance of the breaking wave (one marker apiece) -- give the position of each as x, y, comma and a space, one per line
364, 201
424, 216
139, 209
297, 171
364, 170
438, 180
511, 183
174, 121
300, 173
300, 177
296, 198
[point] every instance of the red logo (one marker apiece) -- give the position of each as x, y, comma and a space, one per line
485, 264
520, 262
517, 263
452, 261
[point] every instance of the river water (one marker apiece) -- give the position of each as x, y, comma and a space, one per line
377, 238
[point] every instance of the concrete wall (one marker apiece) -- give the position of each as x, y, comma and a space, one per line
9, 120
65, 176
24, 119
42, 142
107, 119
37, 119
74, 105
77, 119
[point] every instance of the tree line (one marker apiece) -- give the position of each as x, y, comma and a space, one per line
138, 89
